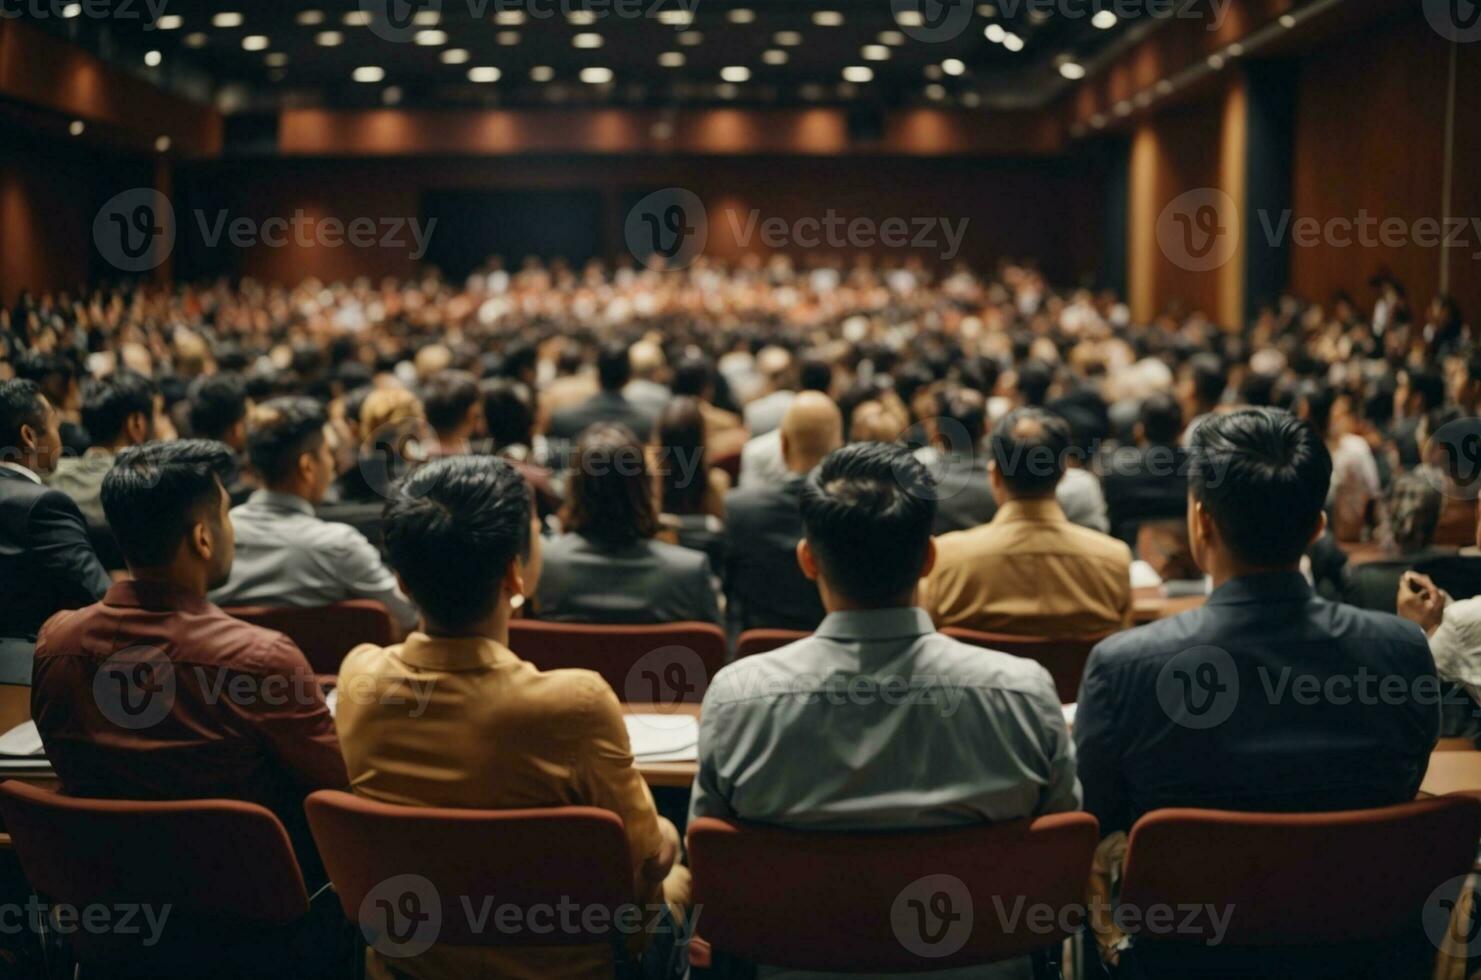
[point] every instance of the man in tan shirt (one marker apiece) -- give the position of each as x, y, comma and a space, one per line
453, 718
1029, 571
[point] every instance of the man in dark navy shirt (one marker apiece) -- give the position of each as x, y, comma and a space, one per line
1268, 698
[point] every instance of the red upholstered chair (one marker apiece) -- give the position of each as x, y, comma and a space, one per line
889, 902
220, 873
764, 641
325, 633
1342, 894
429, 867
665, 663
1064, 657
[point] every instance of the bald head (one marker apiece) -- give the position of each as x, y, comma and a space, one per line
811, 429
646, 358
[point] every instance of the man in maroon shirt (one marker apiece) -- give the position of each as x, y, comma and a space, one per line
155, 693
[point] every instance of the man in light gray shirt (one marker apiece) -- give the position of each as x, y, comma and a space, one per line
876, 721
287, 556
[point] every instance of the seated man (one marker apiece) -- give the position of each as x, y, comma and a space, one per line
1029, 570
1214, 708
287, 556
218, 410
778, 744
1148, 481
966, 499
156, 694
454, 406
46, 560
118, 412
763, 525
499, 734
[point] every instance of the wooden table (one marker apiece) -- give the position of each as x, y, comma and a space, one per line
669, 774
1452, 772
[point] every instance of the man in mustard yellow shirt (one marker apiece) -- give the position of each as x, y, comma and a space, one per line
1029, 571
453, 718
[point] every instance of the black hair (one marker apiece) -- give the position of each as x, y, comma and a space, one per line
451, 530
217, 403
1262, 474
968, 409
1034, 379
614, 370
867, 511
156, 491
447, 398
1029, 446
108, 402
508, 412
1209, 377
355, 400
693, 376
1162, 419
281, 431
815, 374
20, 404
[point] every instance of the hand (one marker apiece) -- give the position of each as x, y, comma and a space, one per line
1421, 601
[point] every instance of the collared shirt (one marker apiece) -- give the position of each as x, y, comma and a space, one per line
1456, 644
24, 471
464, 722
878, 722
225, 708
287, 556
81, 478
1031, 572
1265, 698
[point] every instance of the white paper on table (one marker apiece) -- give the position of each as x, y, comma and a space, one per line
22, 742
663, 738
1144, 576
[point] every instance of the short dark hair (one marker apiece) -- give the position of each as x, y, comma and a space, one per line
614, 369
867, 511
968, 409
447, 397
1029, 446
280, 431
156, 491
508, 412
1162, 419
451, 530
1209, 377
693, 376
1034, 380
1263, 475
20, 404
815, 374
108, 402
217, 403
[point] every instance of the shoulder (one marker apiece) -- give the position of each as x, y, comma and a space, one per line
49, 502
1097, 545
678, 557
1151, 644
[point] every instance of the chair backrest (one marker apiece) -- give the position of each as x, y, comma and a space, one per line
666, 663
765, 640
325, 633
889, 902
210, 860
1064, 657
474, 877
1298, 879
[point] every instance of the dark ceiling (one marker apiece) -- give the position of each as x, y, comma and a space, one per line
275, 57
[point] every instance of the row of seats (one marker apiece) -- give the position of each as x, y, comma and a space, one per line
1314, 888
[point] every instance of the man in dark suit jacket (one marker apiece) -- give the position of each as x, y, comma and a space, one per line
763, 525
1148, 481
46, 560
608, 405
1268, 698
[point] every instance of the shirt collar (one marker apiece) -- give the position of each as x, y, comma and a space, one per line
1262, 587
1029, 509
454, 653
24, 471
156, 596
281, 501
899, 622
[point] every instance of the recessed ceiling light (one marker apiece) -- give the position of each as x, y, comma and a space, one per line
741, 15
995, 33
368, 73
391, 95
735, 73
892, 38
581, 18
76, 127
309, 18
935, 93
430, 39
827, 18
329, 39
195, 40
787, 39
908, 18
1143, 99
454, 56
162, 145
987, 10
1104, 19
542, 73
1235, 50
1287, 21
587, 40
1073, 71
255, 42
774, 56
227, 18
596, 76
858, 73
875, 52
846, 90
811, 91
934, 73
1216, 61
169, 22
1123, 108
484, 73
426, 18
1013, 42
1098, 121
676, 18
954, 66
509, 18
72, 10
1163, 87
691, 38
356, 18
508, 38
671, 59
153, 58
971, 100
276, 60
726, 91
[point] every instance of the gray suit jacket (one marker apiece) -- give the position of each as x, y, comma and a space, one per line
583, 581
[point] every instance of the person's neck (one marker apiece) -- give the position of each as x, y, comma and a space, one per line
1228, 569
189, 579
495, 627
289, 490
833, 602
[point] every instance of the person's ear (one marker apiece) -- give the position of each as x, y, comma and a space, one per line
306, 467
137, 427
513, 583
807, 561
930, 562
995, 479
782, 438
1321, 527
201, 542
30, 436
